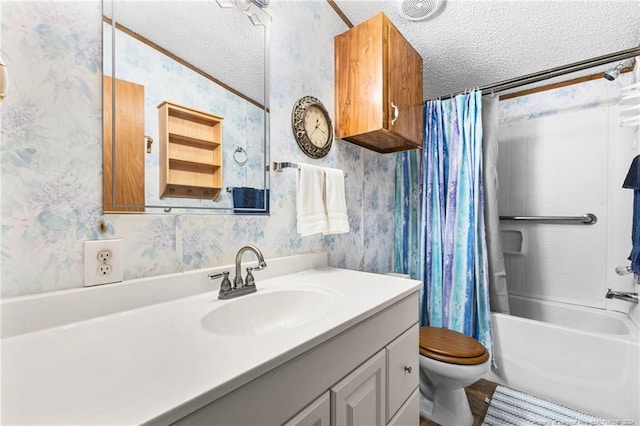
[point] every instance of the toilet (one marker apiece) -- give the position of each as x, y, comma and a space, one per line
449, 361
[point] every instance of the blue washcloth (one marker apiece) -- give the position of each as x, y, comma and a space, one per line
635, 234
632, 181
245, 198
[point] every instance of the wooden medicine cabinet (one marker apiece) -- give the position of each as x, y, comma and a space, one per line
129, 128
378, 88
190, 152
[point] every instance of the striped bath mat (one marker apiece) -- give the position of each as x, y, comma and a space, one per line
512, 407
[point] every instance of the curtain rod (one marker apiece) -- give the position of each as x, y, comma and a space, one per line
553, 72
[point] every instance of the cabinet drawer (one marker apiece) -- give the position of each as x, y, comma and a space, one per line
402, 369
409, 414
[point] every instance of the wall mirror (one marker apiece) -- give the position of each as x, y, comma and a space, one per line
185, 101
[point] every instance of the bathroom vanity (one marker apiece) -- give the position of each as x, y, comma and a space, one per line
314, 343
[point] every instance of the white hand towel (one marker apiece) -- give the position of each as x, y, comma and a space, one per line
312, 217
335, 202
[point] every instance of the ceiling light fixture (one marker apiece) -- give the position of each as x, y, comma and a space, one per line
243, 6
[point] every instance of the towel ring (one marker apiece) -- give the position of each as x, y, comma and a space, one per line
237, 155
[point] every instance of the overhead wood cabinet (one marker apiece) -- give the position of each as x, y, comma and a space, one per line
378, 88
190, 152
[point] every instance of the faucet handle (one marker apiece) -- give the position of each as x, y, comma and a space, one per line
250, 280
623, 270
215, 276
225, 285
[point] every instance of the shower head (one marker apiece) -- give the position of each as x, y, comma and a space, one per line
613, 73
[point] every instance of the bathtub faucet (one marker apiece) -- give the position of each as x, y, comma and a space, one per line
627, 296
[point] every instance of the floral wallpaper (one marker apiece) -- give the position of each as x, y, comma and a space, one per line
51, 158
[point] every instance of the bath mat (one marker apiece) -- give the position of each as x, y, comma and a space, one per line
512, 407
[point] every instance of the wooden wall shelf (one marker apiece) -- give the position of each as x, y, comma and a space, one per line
190, 152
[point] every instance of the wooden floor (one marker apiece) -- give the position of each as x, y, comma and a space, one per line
476, 393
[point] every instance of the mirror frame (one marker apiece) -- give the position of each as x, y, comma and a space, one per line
264, 20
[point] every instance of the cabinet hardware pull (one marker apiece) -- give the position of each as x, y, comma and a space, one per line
408, 369
149, 141
395, 113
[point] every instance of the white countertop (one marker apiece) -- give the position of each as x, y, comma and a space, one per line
157, 363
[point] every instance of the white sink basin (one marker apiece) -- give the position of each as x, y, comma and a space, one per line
268, 311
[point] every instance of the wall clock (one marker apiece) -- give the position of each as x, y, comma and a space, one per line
312, 127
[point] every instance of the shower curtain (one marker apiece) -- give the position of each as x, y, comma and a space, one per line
452, 247
407, 220
498, 296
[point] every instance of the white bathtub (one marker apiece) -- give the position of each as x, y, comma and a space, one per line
585, 358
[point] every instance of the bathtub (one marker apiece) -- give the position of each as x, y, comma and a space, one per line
584, 358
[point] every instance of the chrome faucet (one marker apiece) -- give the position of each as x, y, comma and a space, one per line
627, 296
623, 270
240, 287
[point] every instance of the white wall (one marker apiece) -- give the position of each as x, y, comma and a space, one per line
567, 158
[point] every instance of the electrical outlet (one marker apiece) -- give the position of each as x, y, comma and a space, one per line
104, 256
102, 262
105, 269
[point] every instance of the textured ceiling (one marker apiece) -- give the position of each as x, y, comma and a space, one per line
193, 32
474, 43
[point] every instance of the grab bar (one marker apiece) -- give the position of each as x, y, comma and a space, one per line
586, 219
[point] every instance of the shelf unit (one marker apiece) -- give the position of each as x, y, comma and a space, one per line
190, 152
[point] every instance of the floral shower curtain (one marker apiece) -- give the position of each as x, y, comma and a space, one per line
408, 184
452, 245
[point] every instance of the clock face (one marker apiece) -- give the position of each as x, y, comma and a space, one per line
312, 127
316, 126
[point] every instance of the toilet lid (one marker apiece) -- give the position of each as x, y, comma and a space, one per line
451, 346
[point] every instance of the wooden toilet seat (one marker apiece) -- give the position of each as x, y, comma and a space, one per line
451, 346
